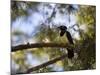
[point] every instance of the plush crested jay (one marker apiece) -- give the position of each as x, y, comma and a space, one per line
63, 30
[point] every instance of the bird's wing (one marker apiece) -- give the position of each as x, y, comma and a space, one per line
69, 37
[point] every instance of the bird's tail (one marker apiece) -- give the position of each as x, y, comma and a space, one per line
70, 53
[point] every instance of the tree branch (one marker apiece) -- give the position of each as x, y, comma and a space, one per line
44, 64
38, 45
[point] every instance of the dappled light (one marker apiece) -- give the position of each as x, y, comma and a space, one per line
40, 45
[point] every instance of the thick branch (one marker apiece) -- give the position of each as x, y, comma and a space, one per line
38, 45
45, 64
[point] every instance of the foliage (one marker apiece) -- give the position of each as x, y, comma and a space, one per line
20, 8
85, 47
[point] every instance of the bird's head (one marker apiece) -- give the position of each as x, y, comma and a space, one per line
62, 27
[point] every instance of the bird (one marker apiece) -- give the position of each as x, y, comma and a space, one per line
63, 30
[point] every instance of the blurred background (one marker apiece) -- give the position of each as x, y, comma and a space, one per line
37, 22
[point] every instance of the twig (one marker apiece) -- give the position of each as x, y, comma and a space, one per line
45, 64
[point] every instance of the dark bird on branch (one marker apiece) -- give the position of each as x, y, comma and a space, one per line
63, 30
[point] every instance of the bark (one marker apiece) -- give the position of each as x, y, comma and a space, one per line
38, 45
